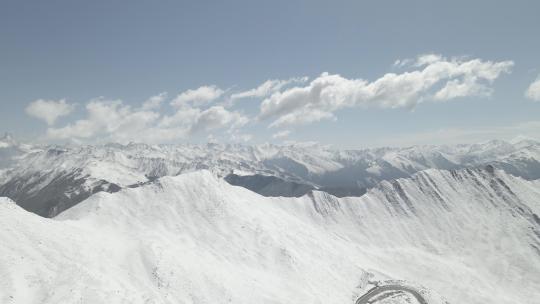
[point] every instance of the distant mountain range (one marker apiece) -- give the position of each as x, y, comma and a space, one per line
47, 180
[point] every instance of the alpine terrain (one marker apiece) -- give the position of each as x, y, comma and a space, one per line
49, 179
241, 224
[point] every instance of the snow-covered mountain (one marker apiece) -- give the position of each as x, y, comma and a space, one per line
49, 179
467, 236
10, 151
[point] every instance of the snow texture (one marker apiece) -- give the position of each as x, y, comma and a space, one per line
466, 236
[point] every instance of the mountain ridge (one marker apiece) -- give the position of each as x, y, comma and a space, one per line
50, 179
182, 235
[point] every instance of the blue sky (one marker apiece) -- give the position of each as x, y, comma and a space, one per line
81, 71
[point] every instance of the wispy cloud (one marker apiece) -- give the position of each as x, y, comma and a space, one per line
197, 97
267, 88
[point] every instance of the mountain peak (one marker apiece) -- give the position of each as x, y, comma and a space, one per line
7, 140
8, 137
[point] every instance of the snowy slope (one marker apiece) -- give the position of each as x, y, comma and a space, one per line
470, 236
47, 180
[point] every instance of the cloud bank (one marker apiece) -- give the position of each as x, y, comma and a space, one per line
434, 78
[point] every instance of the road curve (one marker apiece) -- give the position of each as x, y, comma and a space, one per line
398, 288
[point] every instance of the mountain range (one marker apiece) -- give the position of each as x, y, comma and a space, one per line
49, 179
301, 223
458, 236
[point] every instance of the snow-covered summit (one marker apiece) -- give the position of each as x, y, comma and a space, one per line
469, 236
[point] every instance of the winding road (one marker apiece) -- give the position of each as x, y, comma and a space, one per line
365, 299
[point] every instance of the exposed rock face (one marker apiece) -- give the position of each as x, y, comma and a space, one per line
269, 185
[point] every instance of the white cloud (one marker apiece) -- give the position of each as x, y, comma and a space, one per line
427, 59
107, 119
302, 117
434, 79
154, 102
49, 110
111, 120
468, 86
198, 97
281, 134
402, 62
419, 61
533, 92
217, 117
268, 87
